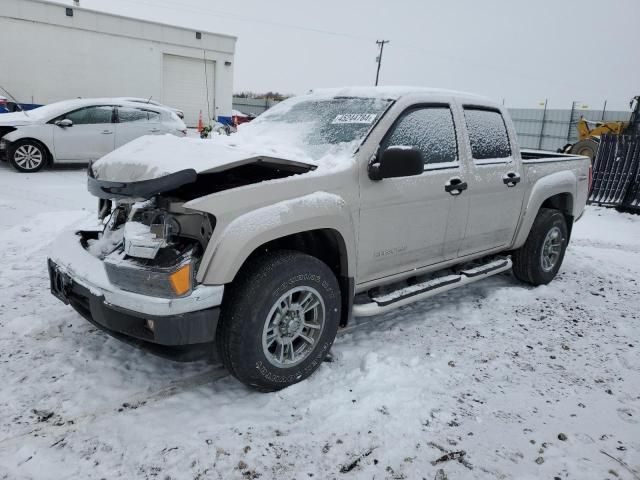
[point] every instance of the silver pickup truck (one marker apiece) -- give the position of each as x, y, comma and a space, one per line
258, 247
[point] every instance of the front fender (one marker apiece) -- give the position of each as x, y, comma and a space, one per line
42, 135
543, 189
228, 251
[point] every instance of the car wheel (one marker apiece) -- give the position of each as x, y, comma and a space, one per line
28, 156
537, 262
279, 320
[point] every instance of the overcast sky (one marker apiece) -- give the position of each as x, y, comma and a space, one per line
522, 51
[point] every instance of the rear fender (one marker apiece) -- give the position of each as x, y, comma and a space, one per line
229, 250
545, 188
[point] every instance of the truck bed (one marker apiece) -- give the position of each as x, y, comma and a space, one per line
531, 155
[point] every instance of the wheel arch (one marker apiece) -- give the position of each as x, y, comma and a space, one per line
555, 191
48, 150
322, 228
325, 244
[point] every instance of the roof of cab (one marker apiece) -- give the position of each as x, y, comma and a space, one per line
392, 92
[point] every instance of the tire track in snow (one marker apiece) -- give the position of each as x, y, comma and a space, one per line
133, 402
579, 242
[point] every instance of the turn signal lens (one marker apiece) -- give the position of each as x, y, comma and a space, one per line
181, 280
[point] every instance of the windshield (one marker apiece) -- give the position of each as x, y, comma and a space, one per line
52, 110
319, 127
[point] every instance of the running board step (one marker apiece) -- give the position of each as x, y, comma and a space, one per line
420, 291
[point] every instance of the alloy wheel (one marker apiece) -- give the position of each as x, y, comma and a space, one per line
293, 326
28, 157
551, 249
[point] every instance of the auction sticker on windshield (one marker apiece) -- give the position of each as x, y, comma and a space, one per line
366, 118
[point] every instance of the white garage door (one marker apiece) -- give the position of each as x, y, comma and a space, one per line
185, 86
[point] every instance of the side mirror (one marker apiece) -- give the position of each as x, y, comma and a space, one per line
397, 161
64, 123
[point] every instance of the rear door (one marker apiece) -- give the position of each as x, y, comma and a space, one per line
90, 137
136, 122
496, 191
404, 222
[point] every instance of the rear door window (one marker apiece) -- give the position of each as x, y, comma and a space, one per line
429, 129
487, 134
129, 115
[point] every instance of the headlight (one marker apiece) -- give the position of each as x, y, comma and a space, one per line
156, 281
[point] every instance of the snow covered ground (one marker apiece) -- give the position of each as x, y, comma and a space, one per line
531, 383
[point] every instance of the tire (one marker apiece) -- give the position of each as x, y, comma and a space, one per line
253, 341
537, 262
588, 148
28, 156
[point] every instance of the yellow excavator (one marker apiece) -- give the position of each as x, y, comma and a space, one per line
589, 132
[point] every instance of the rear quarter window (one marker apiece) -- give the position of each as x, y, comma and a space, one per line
487, 134
129, 115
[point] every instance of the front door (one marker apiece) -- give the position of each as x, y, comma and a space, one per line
404, 222
90, 137
496, 189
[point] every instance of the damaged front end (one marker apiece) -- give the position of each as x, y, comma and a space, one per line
152, 247
135, 276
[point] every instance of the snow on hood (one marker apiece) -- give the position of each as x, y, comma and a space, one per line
152, 157
16, 119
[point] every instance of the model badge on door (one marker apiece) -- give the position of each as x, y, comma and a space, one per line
389, 251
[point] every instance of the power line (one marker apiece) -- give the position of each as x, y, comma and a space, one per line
379, 58
224, 14
509, 72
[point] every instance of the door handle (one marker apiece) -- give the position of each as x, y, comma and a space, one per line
510, 179
455, 186
154, 130
107, 132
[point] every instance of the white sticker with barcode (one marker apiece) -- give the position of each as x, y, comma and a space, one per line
366, 118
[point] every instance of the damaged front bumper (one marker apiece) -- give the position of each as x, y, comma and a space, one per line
80, 280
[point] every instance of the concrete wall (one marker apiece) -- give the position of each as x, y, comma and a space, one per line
46, 56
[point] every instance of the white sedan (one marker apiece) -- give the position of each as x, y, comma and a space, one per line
79, 131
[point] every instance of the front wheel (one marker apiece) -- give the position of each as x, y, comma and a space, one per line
537, 262
28, 156
279, 320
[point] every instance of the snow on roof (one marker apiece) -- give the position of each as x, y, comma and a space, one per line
52, 110
389, 92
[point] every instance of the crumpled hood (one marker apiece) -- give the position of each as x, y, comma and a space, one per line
16, 119
152, 157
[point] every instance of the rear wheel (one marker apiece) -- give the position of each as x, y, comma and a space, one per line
537, 262
588, 148
28, 156
279, 320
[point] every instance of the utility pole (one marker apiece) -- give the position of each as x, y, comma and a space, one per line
379, 57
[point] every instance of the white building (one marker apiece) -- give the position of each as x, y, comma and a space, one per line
51, 52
